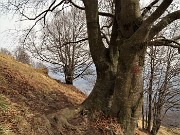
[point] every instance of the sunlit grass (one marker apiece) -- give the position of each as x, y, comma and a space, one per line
16, 74
3, 104
18, 84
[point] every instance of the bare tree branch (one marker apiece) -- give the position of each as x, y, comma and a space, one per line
165, 42
106, 38
176, 38
158, 42
148, 8
158, 12
32, 28
81, 40
107, 26
163, 23
44, 13
146, 25
77, 76
100, 13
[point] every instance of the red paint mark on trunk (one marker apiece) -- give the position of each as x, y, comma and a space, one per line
135, 69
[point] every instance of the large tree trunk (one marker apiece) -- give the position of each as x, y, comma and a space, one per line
127, 97
106, 65
99, 98
127, 38
127, 87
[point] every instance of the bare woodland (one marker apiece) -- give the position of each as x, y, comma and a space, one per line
63, 45
122, 38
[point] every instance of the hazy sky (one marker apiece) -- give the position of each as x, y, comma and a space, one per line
9, 26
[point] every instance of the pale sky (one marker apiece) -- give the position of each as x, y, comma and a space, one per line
5, 31
9, 27
9, 30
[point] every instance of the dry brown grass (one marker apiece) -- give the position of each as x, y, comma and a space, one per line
162, 131
37, 78
28, 95
169, 131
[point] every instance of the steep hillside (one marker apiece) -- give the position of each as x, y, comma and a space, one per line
28, 97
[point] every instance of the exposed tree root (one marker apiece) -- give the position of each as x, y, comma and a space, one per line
100, 123
60, 119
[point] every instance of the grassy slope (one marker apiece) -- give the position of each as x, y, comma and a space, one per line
27, 95
162, 130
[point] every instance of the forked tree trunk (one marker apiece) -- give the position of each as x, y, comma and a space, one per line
127, 97
105, 68
128, 33
99, 98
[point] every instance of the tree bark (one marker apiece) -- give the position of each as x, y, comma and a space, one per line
143, 120
100, 97
150, 92
105, 64
68, 72
149, 110
125, 54
127, 97
156, 119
